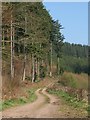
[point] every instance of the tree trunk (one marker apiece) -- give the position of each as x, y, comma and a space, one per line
47, 66
29, 72
18, 49
3, 44
13, 52
51, 61
30, 65
24, 67
33, 69
58, 67
24, 71
38, 67
12, 74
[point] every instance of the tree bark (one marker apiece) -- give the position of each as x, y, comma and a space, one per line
38, 67
24, 71
58, 67
51, 61
13, 52
12, 73
30, 65
33, 69
3, 37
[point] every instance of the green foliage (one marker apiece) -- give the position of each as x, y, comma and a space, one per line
75, 50
22, 100
61, 70
69, 80
8, 103
42, 72
74, 58
34, 31
0, 105
56, 37
32, 96
74, 64
19, 101
88, 109
13, 102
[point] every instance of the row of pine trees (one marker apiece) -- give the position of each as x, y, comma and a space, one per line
30, 37
75, 50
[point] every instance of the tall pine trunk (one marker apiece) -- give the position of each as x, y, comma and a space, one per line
13, 52
33, 68
30, 59
58, 67
24, 70
48, 65
38, 68
3, 44
51, 60
30, 65
12, 72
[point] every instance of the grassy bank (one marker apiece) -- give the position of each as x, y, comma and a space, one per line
19, 101
70, 100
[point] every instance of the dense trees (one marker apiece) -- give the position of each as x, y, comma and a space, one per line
75, 50
75, 58
57, 42
30, 38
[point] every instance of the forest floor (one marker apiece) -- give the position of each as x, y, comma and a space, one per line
45, 106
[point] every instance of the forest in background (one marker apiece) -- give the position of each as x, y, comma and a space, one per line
75, 58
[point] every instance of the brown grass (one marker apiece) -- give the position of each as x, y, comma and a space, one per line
11, 91
81, 80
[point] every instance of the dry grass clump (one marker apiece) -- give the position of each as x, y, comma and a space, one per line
75, 80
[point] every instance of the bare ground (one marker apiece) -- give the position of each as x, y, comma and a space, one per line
46, 106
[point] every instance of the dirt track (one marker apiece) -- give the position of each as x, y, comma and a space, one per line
46, 106
42, 107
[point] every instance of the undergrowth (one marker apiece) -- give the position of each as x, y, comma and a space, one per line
74, 80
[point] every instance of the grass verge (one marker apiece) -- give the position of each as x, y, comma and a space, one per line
72, 101
19, 101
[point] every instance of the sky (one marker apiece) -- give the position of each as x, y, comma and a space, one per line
73, 16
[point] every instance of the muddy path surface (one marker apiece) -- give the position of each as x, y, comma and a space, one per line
46, 106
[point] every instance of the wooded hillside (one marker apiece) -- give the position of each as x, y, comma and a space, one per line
75, 50
75, 58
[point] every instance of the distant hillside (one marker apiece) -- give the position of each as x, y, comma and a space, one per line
74, 58
75, 50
